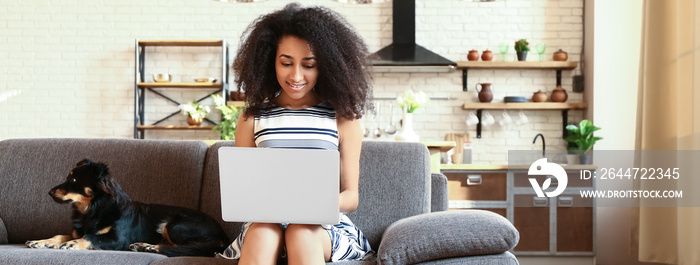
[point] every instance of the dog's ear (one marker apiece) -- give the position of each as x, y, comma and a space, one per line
104, 180
83, 162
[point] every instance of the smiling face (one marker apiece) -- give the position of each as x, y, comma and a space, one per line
297, 72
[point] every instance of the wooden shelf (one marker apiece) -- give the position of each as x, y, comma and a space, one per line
187, 43
173, 127
527, 106
517, 65
179, 85
563, 107
237, 104
548, 65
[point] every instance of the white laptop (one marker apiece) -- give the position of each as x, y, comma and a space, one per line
273, 185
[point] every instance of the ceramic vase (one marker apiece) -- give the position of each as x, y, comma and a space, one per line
193, 122
406, 133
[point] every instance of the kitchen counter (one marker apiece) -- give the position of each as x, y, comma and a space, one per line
490, 167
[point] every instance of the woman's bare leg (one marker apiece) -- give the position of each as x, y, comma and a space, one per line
307, 244
262, 244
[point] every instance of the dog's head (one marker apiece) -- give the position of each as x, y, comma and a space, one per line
84, 182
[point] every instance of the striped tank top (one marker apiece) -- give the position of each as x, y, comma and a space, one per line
311, 128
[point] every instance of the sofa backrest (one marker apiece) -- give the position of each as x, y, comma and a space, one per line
149, 171
394, 183
211, 190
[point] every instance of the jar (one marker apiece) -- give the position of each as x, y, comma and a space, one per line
539, 96
473, 55
559, 94
560, 55
487, 55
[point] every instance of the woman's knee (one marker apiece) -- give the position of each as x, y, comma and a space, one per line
265, 230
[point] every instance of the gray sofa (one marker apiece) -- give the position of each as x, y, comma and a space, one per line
402, 206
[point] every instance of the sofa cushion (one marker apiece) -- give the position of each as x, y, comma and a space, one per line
20, 254
150, 171
442, 235
394, 183
505, 258
3, 233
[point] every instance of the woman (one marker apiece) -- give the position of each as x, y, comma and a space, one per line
306, 78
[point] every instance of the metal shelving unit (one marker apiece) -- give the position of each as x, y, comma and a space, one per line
141, 86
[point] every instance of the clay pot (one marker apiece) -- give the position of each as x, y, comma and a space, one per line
560, 55
485, 94
539, 96
473, 55
486, 55
193, 122
559, 94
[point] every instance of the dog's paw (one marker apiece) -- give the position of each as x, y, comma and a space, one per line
39, 244
79, 244
143, 247
54, 242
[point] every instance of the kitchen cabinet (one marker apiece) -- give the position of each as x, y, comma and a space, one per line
563, 107
141, 86
557, 226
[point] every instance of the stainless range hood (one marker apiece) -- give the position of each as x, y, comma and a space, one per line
404, 55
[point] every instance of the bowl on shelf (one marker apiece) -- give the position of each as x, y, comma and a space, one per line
205, 80
162, 78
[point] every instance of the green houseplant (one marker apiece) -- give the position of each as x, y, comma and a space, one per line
195, 112
229, 118
521, 49
581, 139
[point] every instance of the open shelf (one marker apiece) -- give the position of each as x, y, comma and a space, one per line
180, 43
179, 85
561, 106
173, 127
516, 65
547, 65
527, 106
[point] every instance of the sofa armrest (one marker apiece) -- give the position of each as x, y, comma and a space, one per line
438, 198
446, 234
3, 233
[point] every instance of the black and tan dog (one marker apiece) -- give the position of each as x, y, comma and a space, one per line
104, 217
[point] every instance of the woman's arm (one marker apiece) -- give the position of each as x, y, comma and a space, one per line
244, 131
350, 144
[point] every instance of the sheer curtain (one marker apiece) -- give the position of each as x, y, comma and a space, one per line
669, 119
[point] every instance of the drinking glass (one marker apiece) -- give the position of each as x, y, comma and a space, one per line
503, 48
540, 47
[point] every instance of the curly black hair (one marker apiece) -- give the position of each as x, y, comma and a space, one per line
344, 79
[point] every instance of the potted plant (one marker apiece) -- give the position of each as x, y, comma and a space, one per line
195, 112
229, 118
581, 139
521, 49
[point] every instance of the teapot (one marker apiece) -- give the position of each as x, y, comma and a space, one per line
485, 94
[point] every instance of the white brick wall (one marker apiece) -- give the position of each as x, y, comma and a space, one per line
67, 66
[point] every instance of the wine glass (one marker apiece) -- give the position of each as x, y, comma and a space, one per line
503, 48
540, 47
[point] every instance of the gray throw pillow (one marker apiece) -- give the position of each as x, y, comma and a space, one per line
3, 233
449, 234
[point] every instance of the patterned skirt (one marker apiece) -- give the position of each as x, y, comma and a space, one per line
347, 241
